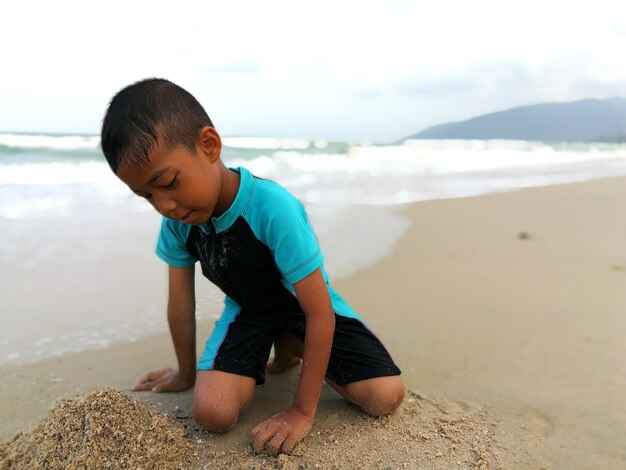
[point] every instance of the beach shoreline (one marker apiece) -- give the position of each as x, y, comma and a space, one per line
510, 303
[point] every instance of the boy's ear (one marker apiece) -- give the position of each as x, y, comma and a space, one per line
210, 143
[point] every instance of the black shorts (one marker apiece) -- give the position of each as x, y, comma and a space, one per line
242, 346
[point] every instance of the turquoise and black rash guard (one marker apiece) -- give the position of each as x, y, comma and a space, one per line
254, 252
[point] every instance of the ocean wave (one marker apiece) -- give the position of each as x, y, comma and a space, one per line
421, 159
270, 143
38, 147
90, 173
51, 142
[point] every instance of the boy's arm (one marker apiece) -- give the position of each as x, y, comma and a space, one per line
281, 432
181, 308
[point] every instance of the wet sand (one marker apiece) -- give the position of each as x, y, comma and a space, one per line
505, 312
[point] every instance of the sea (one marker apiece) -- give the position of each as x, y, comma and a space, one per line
77, 266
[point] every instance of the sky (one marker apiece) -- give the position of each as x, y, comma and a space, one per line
373, 71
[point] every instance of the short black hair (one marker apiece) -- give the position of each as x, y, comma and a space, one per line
148, 112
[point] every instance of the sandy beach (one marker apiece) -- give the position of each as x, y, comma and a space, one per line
505, 312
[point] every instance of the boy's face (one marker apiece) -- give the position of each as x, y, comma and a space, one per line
180, 184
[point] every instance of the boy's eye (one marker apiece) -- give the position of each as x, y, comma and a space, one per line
171, 183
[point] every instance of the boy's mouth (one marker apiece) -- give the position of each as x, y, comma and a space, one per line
185, 218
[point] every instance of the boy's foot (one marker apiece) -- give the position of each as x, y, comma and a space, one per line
287, 353
280, 364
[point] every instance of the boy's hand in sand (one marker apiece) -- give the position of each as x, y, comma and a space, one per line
281, 432
164, 380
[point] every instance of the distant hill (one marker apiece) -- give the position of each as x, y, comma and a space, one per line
578, 121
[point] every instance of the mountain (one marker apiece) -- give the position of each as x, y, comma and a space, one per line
577, 121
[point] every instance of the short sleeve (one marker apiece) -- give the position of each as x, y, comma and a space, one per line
290, 237
171, 244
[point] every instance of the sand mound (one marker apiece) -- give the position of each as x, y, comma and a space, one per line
107, 429
102, 430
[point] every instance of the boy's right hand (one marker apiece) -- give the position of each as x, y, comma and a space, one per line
164, 380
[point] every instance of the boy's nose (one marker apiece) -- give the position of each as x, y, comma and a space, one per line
165, 205
170, 207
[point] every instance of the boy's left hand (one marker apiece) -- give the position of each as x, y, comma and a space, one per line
281, 432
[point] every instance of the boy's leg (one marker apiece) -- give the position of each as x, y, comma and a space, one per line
379, 396
232, 364
361, 370
219, 397
359, 360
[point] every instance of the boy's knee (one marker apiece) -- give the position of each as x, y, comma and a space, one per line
215, 417
378, 397
218, 399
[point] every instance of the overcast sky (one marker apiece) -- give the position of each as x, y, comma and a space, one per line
356, 70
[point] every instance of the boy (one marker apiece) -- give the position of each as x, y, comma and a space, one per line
253, 240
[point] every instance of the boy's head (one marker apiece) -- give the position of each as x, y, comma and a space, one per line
148, 112
159, 140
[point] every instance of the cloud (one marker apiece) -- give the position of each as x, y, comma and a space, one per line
474, 77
